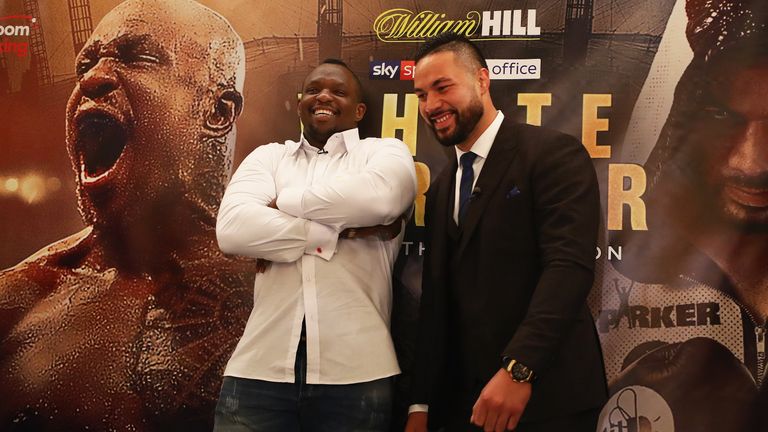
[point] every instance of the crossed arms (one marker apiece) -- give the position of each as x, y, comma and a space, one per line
310, 219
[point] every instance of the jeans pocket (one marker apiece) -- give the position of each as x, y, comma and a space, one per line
228, 398
377, 403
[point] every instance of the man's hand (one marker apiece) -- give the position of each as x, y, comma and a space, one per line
417, 422
501, 403
384, 232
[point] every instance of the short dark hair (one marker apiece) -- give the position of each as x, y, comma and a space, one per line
338, 62
456, 43
335, 61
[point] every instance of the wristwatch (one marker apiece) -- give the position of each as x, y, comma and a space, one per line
518, 371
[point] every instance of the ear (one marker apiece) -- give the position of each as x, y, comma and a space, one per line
360, 111
298, 104
484, 79
227, 108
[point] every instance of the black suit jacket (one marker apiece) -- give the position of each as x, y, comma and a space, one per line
513, 280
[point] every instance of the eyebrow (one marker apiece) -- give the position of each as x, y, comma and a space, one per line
144, 39
130, 42
319, 79
435, 83
89, 50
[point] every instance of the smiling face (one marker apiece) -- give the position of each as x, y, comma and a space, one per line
449, 98
330, 103
734, 128
147, 122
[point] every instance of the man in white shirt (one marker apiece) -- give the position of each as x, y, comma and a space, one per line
317, 353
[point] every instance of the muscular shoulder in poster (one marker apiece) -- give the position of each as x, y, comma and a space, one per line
130, 321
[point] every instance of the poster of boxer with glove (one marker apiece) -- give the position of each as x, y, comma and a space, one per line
688, 304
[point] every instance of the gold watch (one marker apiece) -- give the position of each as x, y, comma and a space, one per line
518, 371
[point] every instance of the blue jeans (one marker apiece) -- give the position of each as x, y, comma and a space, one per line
256, 405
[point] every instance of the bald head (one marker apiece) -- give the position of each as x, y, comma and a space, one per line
152, 117
192, 30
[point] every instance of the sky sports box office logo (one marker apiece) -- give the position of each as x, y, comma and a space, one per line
514, 69
392, 70
500, 69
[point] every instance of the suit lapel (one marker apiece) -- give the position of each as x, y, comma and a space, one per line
450, 201
494, 170
442, 213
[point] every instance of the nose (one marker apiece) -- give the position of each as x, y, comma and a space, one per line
749, 154
324, 96
430, 103
100, 80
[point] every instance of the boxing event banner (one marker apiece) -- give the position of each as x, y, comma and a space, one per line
118, 311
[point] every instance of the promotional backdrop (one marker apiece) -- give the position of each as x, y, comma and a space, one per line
132, 330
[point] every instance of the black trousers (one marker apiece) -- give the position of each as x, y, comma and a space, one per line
585, 421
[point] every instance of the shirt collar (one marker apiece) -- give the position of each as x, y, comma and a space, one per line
482, 146
339, 142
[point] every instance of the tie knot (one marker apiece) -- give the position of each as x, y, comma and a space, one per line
467, 159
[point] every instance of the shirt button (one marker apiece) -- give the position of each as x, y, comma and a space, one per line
319, 250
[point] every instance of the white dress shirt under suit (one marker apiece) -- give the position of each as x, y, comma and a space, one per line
341, 288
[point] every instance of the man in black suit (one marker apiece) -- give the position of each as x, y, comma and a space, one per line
505, 333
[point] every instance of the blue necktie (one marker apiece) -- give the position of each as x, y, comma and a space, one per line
465, 187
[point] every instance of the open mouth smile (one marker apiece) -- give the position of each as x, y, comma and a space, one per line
100, 142
440, 120
323, 112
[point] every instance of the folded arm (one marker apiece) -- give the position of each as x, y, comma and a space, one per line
376, 195
247, 226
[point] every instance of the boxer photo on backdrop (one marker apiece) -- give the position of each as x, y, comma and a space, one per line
127, 324
712, 154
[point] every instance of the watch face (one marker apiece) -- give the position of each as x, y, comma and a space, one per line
520, 372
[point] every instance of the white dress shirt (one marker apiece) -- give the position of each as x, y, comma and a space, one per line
481, 148
341, 288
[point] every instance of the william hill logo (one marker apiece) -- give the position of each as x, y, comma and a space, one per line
404, 25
